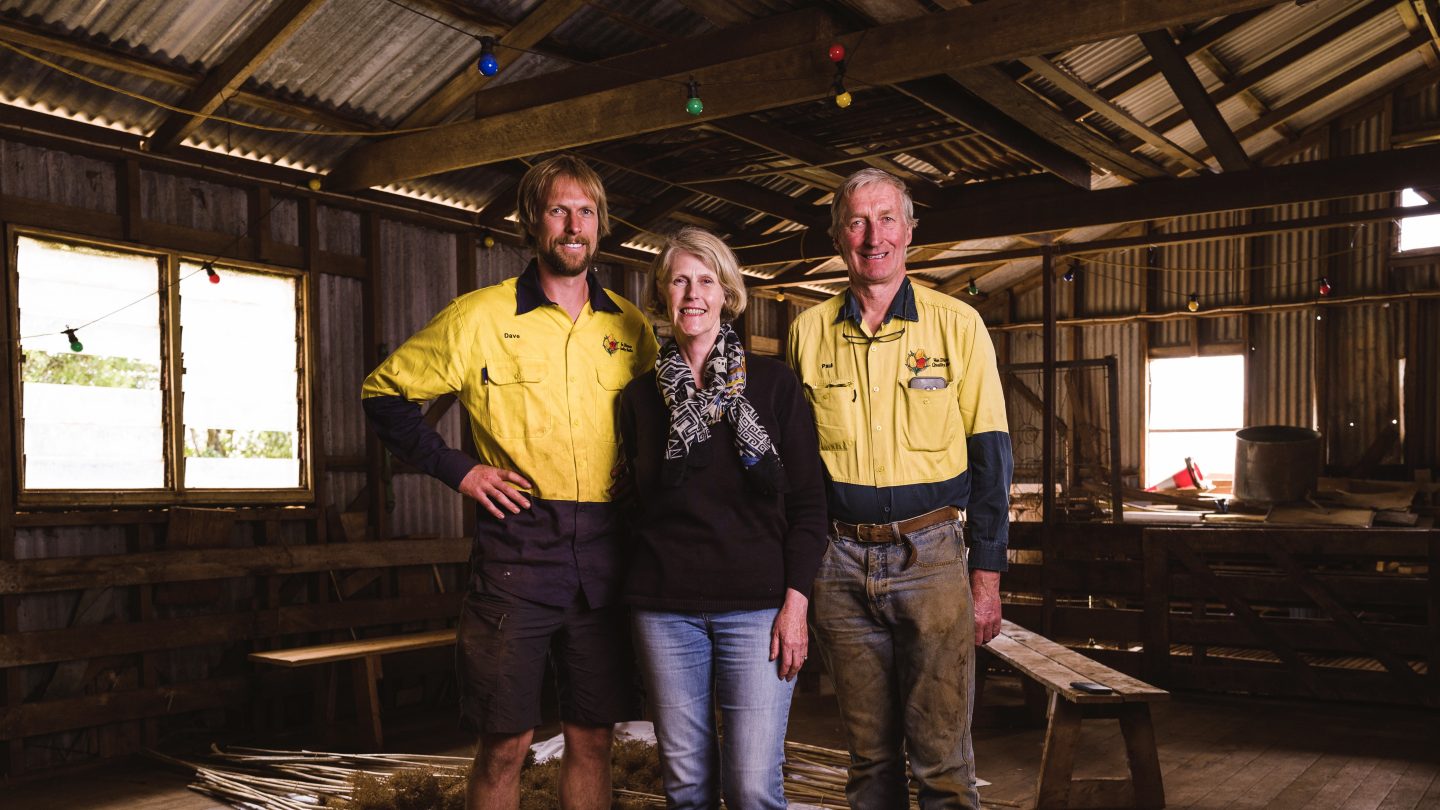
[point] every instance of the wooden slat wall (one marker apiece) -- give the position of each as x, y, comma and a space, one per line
1134, 598
103, 644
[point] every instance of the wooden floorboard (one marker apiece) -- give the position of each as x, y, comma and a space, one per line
1215, 752
1410, 788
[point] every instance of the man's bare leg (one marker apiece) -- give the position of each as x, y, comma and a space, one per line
585, 770
494, 782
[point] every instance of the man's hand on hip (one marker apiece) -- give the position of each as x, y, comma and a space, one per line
495, 488
985, 593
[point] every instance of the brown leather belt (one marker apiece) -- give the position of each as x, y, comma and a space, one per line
895, 532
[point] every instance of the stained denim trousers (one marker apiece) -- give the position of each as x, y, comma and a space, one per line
693, 663
897, 631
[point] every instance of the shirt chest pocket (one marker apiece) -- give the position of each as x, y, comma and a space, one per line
835, 402
612, 380
515, 401
931, 416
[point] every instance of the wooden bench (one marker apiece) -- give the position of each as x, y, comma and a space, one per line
1055, 668
365, 672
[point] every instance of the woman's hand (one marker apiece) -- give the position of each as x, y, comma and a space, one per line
789, 637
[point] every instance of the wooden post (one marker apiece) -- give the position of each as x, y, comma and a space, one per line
1141, 753
12, 685
1047, 463
1156, 636
1112, 391
373, 328
465, 246
1057, 761
1433, 624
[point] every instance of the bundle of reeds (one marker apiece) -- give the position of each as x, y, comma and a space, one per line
268, 779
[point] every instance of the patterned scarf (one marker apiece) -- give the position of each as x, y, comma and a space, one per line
693, 411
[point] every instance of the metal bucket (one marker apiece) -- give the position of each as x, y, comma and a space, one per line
1275, 463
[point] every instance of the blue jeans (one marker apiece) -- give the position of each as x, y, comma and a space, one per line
897, 630
694, 662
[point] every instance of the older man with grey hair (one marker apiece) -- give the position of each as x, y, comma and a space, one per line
913, 436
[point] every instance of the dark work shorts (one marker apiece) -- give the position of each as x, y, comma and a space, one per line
501, 647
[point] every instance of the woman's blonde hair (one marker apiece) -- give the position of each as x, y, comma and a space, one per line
712, 252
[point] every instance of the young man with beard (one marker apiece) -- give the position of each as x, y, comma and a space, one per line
538, 362
913, 435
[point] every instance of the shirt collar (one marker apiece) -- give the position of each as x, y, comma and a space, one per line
901, 306
529, 294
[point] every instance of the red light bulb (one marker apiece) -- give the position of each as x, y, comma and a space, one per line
837, 52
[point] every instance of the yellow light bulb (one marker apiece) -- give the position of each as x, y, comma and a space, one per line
842, 100
314, 184
1193, 305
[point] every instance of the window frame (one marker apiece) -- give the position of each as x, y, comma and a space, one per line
173, 493
1418, 254
1146, 430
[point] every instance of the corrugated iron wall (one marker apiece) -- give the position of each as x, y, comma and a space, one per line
417, 268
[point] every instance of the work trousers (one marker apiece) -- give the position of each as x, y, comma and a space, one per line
896, 626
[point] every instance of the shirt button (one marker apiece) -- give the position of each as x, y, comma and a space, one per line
875, 388
887, 510
572, 378
873, 348
880, 469
877, 427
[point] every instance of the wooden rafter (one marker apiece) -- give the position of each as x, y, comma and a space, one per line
1129, 78
1318, 41
1270, 185
1203, 112
664, 204
257, 46
952, 40
111, 59
834, 163
943, 95
543, 19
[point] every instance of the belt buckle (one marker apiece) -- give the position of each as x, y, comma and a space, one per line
875, 532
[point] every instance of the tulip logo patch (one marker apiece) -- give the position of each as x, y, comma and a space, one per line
918, 362
611, 345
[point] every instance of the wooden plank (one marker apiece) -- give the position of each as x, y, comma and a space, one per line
261, 41
1306, 634
1385, 543
1127, 689
1273, 589
911, 49
12, 681
74, 573
1203, 112
1053, 675
52, 716
45, 646
350, 650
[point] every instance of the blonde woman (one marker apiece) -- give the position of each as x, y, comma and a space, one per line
728, 531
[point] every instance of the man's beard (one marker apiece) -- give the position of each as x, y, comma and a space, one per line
560, 263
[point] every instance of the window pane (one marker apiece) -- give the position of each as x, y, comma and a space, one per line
1418, 232
93, 417
240, 346
1187, 393
1212, 451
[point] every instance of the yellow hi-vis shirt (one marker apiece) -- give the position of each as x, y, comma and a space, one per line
541, 391
894, 450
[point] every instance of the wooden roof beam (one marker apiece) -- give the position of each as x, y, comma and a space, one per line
221, 82
1272, 185
911, 49
944, 96
543, 19
1203, 112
